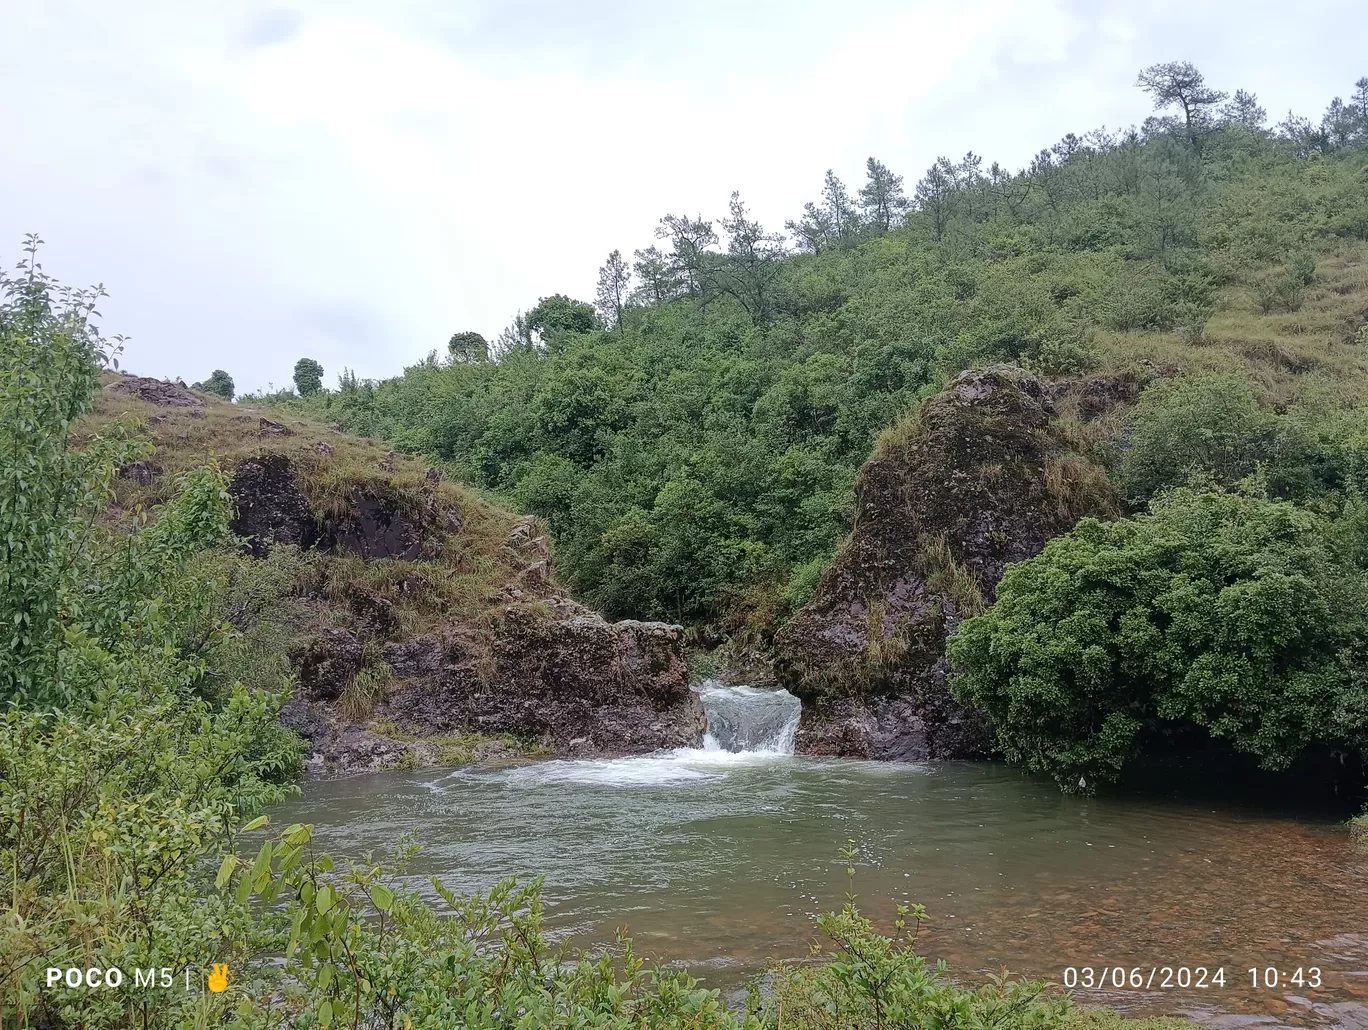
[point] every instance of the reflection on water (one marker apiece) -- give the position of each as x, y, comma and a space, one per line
719, 861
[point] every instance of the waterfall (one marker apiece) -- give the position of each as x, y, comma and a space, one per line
749, 719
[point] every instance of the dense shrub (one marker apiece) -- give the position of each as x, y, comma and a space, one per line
1209, 426
1236, 615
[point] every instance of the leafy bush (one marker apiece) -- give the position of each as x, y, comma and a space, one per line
1209, 426
220, 384
1232, 614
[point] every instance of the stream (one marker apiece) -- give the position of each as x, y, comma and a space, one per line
719, 858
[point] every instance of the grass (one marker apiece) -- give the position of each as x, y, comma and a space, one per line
457, 749
945, 575
1358, 832
1091, 1018
364, 691
1286, 353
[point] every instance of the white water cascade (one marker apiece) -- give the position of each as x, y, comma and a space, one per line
749, 719
748, 728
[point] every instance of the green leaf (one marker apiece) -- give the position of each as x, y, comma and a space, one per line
382, 897
225, 871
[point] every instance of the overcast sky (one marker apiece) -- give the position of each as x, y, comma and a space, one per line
356, 181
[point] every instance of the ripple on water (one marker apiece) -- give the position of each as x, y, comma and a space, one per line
718, 860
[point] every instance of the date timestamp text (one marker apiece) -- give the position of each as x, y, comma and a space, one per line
1162, 978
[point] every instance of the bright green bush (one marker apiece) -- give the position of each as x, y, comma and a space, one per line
1232, 614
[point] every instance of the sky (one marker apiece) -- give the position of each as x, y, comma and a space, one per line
354, 182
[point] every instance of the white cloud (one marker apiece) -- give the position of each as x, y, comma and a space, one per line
357, 181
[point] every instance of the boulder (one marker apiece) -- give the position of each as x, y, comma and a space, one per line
562, 673
979, 478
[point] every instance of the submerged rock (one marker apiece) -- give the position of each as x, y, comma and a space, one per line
979, 478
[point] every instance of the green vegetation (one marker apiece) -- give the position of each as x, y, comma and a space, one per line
220, 384
1242, 616
692, 441
308, 377
134, 761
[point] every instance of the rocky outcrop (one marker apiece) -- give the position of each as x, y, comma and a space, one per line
563, 673
269, 507
424, 624
551, 672
979, 478
155, 391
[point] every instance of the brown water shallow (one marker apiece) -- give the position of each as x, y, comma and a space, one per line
720, 862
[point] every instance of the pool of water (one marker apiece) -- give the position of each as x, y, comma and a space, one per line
719, 861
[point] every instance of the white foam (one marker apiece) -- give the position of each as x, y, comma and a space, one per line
678, 766
747, 727
749, 719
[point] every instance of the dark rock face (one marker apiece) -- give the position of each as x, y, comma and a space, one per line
376, 528
270, 507
587, 685
555, 673
327, 663
156, 391
978, 480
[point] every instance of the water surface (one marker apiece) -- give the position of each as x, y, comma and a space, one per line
719, 860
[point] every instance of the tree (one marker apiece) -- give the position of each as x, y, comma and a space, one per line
468, 346
835, 222
659, 281
752, 262
614, 281
1243, 109
220, 384
1302, 136
882, 196
813, 232
308, 377
1180, 83
554, 320
1340, 125
690, 240
935, 195
840, 208
1359, 101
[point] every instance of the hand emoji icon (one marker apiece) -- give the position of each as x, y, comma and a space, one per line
218, 979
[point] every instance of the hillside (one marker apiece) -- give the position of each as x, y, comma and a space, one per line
775, 446
693, 443
423, 623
